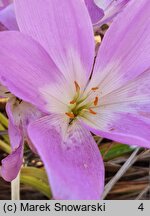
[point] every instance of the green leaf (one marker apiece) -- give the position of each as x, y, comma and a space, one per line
36, 178
4, 120
5, 147
36, 184
38, 173
5, 137
114, 150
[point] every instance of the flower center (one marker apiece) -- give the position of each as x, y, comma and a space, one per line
82, 102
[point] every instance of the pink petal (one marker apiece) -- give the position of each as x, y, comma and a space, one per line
66, 34
112, 9
26, 68
20, 115
125, 51
95, 12
124, 114
5, 3
8, 18
12, 163
71, 157
103, 4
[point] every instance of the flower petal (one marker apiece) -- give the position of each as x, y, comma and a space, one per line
66, 34
20, 115
111, 8
95, 12
103, 4
26, 69
71, 157
12, 163
8, 18
125, 51
5, 3
124, 114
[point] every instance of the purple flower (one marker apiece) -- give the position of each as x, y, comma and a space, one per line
7, 16
51, 66
103, 11
5, 3
20, 114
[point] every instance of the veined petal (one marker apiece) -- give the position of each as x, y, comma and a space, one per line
5, 3
71, 157
14, 129
8, 18
67, 33
12, 163
95, 12
125, 51
103, 4
111, 8
2, 27
20, 114
29, 73
124, 114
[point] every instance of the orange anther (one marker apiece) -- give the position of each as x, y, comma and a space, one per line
96, 101
70, 115
73, 102
92, 112
94, 89
77, 86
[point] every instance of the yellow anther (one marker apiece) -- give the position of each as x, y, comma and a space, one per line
70, 115
96, 101
92, 112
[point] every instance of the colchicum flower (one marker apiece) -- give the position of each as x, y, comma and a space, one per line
7, 16
5, 3
51, 66
20, 114
103, 11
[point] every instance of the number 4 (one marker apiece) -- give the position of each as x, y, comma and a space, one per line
141, 207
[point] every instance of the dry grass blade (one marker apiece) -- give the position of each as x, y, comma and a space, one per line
140, 196
120, 173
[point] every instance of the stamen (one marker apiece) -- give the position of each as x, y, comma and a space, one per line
96, 101
92, 112
73, 102
77, 86
70, 115
94, 89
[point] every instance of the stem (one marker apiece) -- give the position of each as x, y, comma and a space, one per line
15, 188
140, 196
